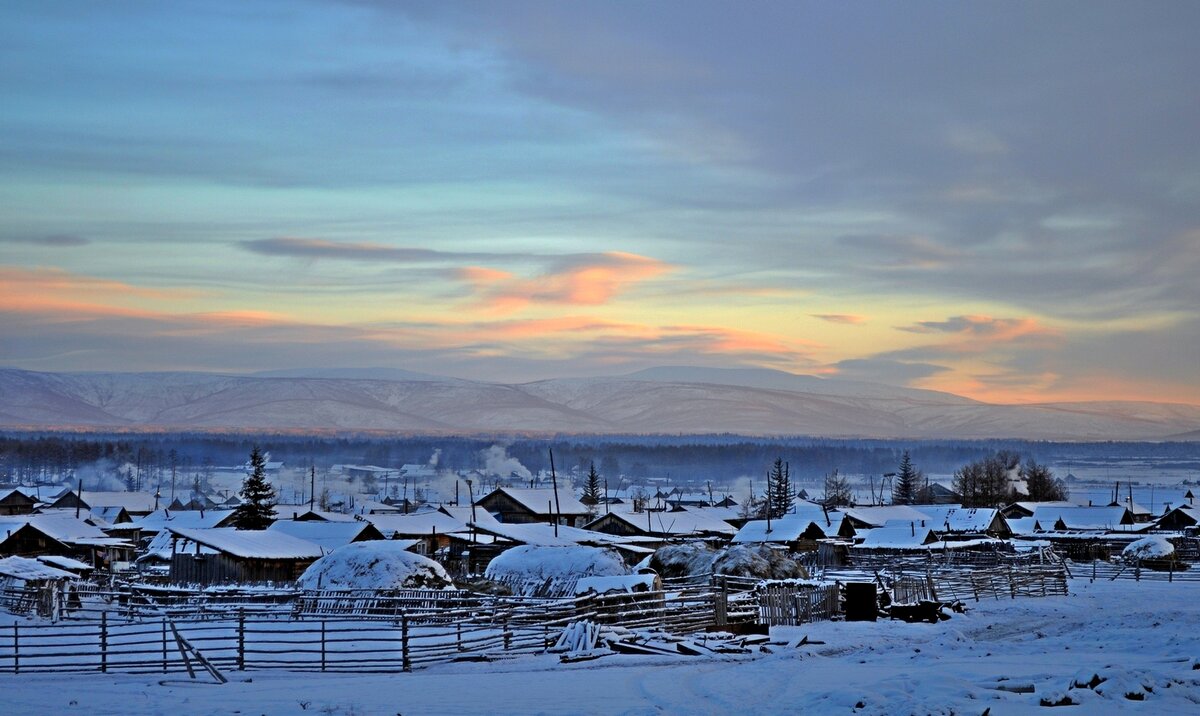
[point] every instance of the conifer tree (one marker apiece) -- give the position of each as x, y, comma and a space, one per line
257, 510
908, 482
779, 489
592, 489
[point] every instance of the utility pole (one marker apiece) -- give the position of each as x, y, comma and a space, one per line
554, 483
312, 484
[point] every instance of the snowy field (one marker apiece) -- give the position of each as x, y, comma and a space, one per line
1140, 639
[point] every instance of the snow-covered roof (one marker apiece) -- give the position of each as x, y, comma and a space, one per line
320, 515
540, 501
465, 514
879, 516
898, 537
62, 527
538, 534
788, 528
955, 518
188, 519
61, 562
25, 568
417, 524
1023, 525
22, 495
326, 535
131, 501
377, 508
109, 514
1081, 518
161, 546
251, 544
681, 522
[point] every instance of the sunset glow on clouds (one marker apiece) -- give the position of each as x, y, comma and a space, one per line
530, 190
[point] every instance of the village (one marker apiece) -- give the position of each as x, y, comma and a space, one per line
114, 582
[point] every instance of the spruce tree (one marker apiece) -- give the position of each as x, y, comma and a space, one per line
779, 489
592, 489
907, 482
257, 510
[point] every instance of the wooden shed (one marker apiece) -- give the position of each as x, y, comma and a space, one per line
229, 556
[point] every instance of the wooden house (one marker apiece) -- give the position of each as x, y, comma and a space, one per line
799, 531
229, 556
665, 525
16, 502
328, 535
136, 504
522, 505
62, 535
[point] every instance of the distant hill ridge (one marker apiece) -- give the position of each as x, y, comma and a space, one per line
666, 400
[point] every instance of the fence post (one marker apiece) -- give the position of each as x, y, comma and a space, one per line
16, 649
103, 642
1137, 571
322, 645
241, 634
1093, 571
406, 661
164, 644
1171, 571
507, 633
721, 603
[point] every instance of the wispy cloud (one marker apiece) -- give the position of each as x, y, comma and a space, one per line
349, 251
54, 240
847, 318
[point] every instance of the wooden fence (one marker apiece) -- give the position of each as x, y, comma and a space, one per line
1102, 569
792, 603
344, 631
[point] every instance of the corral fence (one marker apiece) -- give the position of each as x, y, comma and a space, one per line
1137, 571
345, 630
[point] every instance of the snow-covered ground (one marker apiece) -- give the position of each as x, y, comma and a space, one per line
1140, 638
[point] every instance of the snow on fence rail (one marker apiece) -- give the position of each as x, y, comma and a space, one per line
1137, 572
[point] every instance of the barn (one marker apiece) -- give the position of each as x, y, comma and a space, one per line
228, 556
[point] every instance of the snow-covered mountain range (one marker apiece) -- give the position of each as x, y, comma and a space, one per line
667, 400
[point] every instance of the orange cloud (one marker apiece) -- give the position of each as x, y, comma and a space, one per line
977, 333
586, 280
52, 290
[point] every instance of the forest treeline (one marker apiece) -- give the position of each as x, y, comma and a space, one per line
32, 457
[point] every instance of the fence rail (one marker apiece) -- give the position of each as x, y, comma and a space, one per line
332, 631
1100, 569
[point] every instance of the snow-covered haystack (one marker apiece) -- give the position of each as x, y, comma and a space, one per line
743, 560
552, 571
683, 560
750, 560
374, 564
1152, 553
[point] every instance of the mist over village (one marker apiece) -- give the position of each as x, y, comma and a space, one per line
532, 357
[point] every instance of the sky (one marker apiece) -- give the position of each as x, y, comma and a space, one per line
996, 199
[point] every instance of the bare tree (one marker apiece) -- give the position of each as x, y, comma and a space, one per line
835, 491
